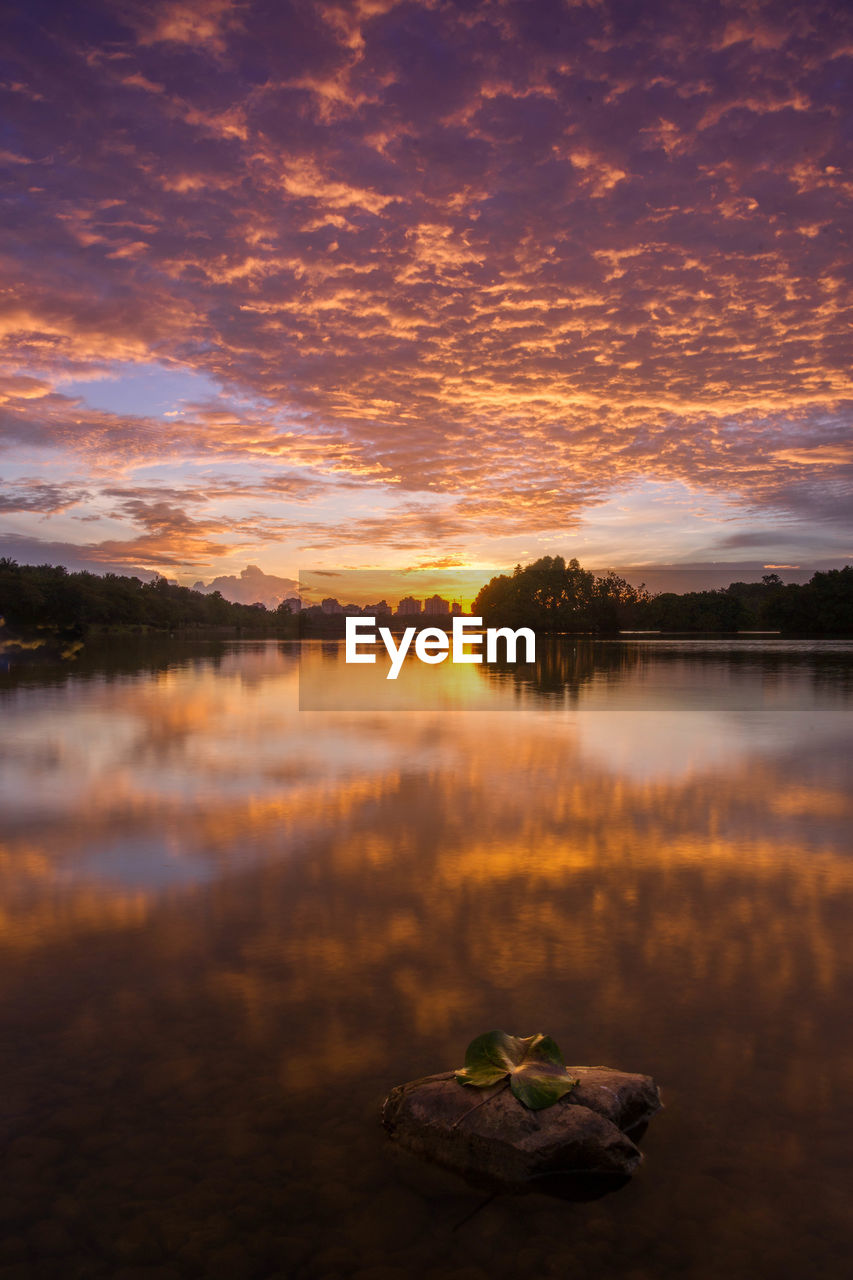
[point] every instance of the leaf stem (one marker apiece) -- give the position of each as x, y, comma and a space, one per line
481, 1103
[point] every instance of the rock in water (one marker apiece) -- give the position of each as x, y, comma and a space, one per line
488, 1132
626, 1099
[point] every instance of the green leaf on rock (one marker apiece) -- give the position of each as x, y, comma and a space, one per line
536, 1068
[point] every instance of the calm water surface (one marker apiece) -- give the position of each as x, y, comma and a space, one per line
228, 927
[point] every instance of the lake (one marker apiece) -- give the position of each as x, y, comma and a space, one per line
230, 926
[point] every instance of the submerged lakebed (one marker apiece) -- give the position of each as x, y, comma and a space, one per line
229, 927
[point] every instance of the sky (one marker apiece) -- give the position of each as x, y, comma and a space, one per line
425, 285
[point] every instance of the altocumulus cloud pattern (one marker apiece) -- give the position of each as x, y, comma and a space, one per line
447, 279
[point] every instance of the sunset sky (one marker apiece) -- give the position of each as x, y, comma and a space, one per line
434, 284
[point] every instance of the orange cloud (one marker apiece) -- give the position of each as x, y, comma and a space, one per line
470, 257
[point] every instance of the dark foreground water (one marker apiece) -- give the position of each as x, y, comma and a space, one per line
228, 927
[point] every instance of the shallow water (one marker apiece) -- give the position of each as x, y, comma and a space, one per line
228, 927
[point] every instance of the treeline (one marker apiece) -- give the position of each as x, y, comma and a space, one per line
551, 595
49, 596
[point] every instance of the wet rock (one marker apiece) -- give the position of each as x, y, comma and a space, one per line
231, 1262
382, 1272
13, 1249
488, 1132
36, 1150
50, 1239
626, 1099
146, 1273
11, 1209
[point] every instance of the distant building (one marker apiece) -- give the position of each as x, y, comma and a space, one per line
381, 607
294, 602
456, 609
409, 605
331, 606
435, 604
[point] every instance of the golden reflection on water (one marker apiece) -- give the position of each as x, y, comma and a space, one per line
236, 908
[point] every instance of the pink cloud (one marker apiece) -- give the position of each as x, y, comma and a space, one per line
513, 258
